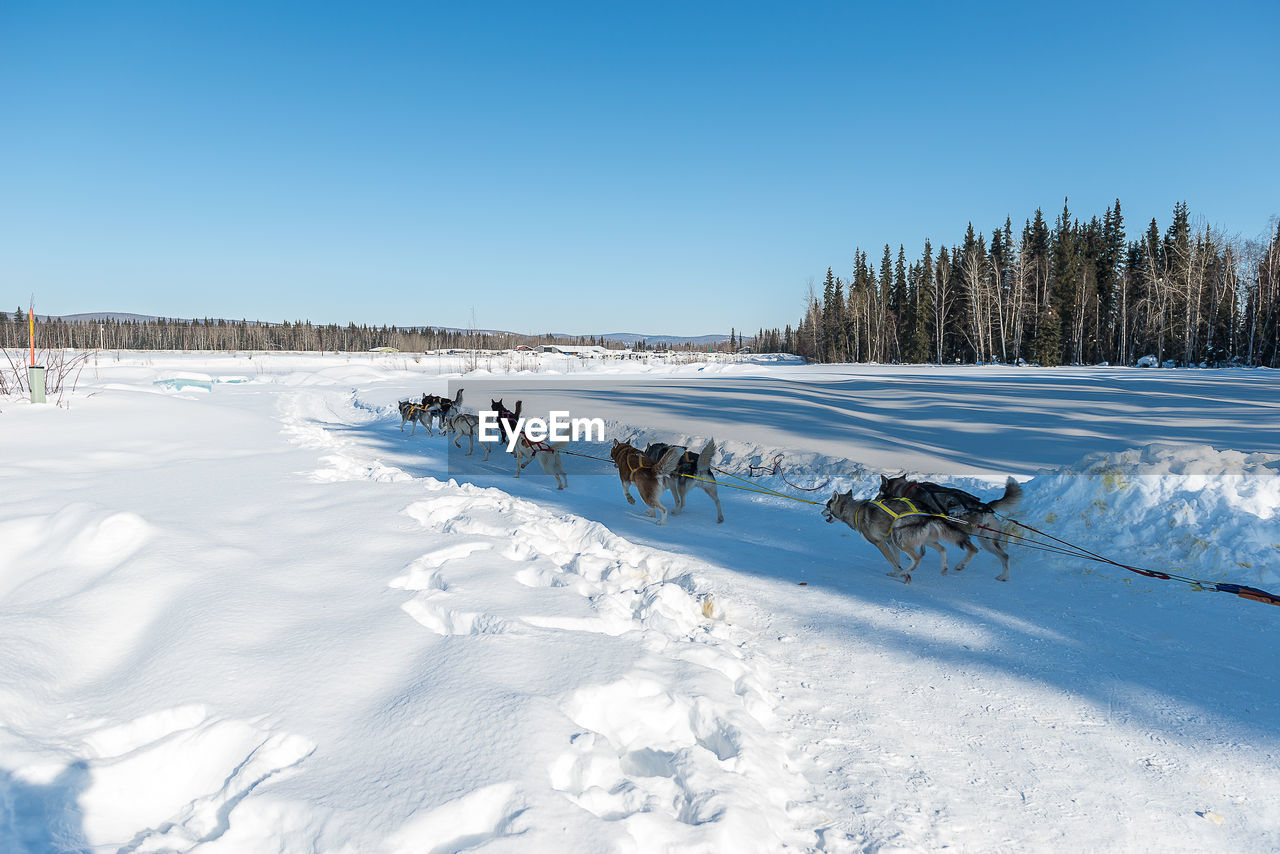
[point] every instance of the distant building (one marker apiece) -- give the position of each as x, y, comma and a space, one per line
583, 351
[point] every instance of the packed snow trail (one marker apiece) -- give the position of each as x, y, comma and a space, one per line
681, 749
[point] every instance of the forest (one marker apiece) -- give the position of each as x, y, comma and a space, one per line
234, 335
1076, 292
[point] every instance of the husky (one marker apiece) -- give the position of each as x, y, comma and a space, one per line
635, 467
416, 412
408, 411
692, 470
526, 451
895, 524
506, 418
464, 424
958, 504
546, 453
440, 410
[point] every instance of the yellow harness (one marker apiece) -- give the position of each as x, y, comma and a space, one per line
912, 509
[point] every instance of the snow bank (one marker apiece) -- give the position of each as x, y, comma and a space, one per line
1187, 509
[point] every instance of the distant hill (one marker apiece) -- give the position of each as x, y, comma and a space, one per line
106, 315
630, 338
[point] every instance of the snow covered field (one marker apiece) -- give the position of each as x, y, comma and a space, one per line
241, 611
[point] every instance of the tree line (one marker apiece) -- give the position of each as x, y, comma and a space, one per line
1076, 292
231, 335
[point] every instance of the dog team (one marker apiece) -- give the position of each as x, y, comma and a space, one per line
904, 518
658, 469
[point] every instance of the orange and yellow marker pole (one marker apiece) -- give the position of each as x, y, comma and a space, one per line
35, 374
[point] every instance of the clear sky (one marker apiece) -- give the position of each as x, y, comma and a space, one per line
601, 167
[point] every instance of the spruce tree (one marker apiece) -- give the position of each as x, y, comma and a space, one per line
1047, 346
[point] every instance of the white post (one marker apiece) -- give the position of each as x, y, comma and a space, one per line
35, 380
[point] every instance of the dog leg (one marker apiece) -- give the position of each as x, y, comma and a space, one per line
710, 489
626, 490
915, 560
673, 485
891, 555
942, 556
970, 551
994, 546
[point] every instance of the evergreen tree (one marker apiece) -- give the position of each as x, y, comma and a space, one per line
1047, 346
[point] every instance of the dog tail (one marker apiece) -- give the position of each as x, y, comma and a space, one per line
668, 463
1011, 498
457, 399
705, 456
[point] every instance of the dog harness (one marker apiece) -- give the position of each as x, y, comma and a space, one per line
912, 509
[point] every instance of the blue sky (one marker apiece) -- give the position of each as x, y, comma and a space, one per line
655, 167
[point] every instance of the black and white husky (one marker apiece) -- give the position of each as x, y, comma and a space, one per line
440, 409
693, 470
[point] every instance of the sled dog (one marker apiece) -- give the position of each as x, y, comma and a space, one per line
465, 424
441, 408
417, 413
895, 524
526, 451
692, 470
958, 504
635, 467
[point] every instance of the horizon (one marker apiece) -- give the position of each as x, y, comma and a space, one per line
681, 168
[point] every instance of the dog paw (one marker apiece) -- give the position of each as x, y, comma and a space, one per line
631, 500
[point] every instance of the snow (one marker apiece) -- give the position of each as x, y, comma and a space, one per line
253, 615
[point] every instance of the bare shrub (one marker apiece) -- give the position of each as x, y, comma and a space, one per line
61, 374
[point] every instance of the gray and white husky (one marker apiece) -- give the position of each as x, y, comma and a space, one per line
693, 470
896, 524
465, 424
409, 411
978, 515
